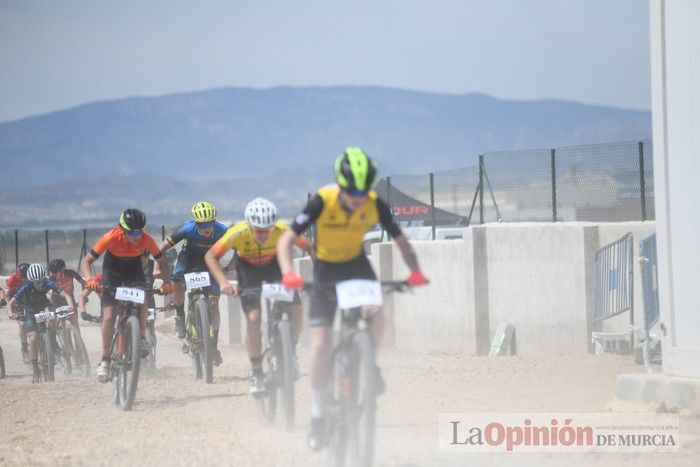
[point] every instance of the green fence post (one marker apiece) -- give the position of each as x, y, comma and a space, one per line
554, 184
481, 189
16, 248
46, 238
162, 232
432, 201
642, 188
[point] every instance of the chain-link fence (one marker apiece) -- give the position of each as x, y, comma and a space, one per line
597, 182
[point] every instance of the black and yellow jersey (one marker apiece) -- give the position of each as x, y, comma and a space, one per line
338, 232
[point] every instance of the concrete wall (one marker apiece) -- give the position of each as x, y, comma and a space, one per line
535, 276
538, 277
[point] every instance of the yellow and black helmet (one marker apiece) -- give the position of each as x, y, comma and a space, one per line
203, 212
355, 172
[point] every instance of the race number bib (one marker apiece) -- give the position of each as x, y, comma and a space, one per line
197, 280
358, 292
44, 316
130, 295
63, 311
277, 292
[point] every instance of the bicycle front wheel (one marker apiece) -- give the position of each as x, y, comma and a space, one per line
206, 339
287, 372
128, 373
47, 356
360, 400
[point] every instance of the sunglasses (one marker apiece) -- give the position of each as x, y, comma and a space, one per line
355, 193
261, 231
206, 225
133, 233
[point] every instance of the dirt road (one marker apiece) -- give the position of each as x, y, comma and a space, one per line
179, 421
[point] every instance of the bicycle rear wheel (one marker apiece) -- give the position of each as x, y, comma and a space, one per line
152, 343
360, 400
286, 371
206, 340
128, 373
65, 351
82, 360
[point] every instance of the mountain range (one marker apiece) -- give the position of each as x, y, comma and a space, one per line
84, 164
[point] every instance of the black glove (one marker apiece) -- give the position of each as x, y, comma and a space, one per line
2, 302
86, 316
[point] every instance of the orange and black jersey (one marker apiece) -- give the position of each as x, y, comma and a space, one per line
120, 253
339, 233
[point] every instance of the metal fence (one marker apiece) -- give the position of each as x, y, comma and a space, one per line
596, 182
650, 288
613, 287
41, 246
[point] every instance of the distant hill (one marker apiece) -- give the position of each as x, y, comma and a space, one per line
264, 137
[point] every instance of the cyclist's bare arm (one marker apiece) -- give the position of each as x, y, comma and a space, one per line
10, 305
217, 271
284, 250
69, 299
162, 267
81, 300
164, 246
86, 266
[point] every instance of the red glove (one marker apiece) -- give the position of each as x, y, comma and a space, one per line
167, 288
416, 278
292, 281
93, 284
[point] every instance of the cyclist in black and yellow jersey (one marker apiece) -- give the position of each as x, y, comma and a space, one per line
342, 214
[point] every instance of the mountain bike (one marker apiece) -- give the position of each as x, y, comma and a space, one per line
278, 357
70, 348
199, 331
125, 358
351, 403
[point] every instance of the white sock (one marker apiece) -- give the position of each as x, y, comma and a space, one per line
317, 399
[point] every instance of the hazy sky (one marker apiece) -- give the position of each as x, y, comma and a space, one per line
58, 54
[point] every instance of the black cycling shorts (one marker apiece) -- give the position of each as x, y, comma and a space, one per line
323, 302
249, 275
132, 277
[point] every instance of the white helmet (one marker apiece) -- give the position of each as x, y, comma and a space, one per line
261, 213
36, 272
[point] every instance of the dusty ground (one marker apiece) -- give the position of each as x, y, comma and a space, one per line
179, 421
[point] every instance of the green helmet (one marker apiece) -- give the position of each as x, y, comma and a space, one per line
355, 172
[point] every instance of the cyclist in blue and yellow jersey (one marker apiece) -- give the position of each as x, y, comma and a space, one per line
255, 243
342, 214
123, 247
197, 235
32, 298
